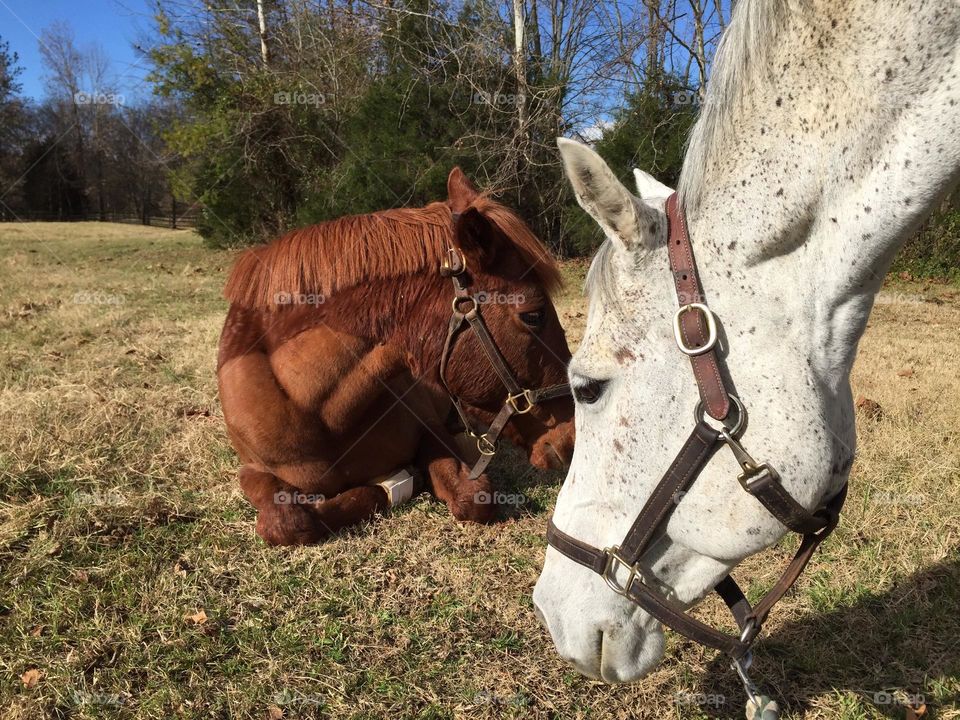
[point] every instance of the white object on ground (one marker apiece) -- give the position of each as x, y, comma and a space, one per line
399, 486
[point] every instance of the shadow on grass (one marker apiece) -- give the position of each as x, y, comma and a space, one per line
884, 648
521, 489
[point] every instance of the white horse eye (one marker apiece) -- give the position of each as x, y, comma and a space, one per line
589, 390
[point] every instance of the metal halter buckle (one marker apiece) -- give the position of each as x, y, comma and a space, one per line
750, 631
614, 561
485, 446
527, 395
453, 263
711, 329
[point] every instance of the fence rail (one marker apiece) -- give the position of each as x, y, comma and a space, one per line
185, 220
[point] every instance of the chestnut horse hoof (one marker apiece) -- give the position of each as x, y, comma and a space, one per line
290, 525
474, 502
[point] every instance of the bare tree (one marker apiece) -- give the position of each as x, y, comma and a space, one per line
63, 64
262, 21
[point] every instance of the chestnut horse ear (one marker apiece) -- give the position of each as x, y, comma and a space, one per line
475, 236
460, 191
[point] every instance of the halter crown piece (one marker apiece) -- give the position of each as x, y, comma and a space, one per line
695, 330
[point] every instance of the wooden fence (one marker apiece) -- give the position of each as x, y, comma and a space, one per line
186, 219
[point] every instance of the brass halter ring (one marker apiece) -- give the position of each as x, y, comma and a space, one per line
457, 300
485, 446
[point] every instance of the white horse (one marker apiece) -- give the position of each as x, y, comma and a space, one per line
830, 130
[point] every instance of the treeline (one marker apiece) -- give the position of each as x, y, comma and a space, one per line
81, 153
268, 114
295, 111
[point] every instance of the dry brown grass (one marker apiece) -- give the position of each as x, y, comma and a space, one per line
120, 519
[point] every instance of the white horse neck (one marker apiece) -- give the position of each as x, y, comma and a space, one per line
815, 159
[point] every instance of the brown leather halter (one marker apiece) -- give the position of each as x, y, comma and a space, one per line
695, 328
520, 400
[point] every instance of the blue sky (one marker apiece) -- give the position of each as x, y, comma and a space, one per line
113, 24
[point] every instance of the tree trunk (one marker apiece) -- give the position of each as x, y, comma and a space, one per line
262, 19
520, 70
699, 47
654, 34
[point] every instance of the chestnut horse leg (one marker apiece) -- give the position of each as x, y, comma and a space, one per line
285, 516
467, 499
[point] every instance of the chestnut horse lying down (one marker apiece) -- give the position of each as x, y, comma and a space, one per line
340, 364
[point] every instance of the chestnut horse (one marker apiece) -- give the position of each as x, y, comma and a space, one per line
329, 365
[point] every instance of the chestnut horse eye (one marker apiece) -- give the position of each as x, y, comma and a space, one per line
590, 391
533, 318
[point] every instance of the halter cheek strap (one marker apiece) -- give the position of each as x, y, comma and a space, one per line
694, 325
695, 329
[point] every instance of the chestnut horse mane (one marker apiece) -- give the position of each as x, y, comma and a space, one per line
356, 249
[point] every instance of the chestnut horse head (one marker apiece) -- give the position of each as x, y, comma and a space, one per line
506, 277
380, 276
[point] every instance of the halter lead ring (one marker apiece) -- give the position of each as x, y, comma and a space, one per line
699, 416
695, 331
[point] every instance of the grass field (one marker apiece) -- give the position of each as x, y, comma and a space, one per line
132, 584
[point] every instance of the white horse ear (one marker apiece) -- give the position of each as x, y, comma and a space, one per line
600, 193
649, 188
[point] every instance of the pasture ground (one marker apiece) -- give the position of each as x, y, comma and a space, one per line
132, 584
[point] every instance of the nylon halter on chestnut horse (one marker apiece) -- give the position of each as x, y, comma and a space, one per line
519, 400
695, 330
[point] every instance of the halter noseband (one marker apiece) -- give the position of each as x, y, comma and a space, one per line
520, 400
695, 329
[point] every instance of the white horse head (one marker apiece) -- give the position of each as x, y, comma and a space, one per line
829, 132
